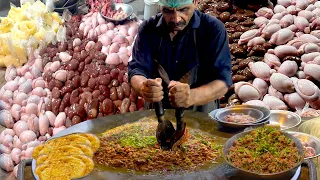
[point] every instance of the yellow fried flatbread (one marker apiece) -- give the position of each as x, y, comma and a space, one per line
62, 151
95, 141
87, 161
56, 177
68, 140
70, 167
40, 168
36, 150
87, 150
66, 150
44, 159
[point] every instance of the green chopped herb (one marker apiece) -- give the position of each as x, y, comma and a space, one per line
138, 141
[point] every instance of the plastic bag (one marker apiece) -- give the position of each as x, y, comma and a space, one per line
42, 44
49, 5
303, 110
66, 15
39, 22
22, 2
61, 34
32, 43
50, 36
17, 50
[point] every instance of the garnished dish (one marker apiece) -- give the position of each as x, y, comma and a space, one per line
264, 150
239, 118
134, 147
66, 157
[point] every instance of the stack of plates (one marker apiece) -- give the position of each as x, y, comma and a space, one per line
261, 114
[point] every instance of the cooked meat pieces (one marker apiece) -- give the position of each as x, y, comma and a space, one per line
239, 118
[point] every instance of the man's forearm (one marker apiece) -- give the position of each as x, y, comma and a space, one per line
208, 93
136, 82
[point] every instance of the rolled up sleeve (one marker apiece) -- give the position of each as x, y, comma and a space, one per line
141, 55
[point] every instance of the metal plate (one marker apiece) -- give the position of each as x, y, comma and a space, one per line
281, 175
305, 138
286, 119
264, 120
193, 119
255, 113
125, 7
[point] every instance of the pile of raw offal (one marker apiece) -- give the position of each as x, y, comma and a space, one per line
65, 83
289, 76
237, 21
94, 5
280, 56
106, 10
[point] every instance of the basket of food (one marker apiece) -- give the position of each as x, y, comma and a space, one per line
264, 153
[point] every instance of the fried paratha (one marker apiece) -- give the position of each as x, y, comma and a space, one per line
68, 140
94, 140
46, 159
70, 167
66, 150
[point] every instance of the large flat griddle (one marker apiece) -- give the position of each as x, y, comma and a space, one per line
219, 171
193, 119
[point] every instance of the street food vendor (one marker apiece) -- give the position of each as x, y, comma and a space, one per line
186, 43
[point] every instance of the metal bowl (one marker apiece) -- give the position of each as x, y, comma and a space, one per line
307, 138
263, 120
73, 8
286, 119
280, 175
62, 3
126, 8
255, 113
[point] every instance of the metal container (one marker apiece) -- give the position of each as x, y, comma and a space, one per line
286, 119
255, 113
288, 174
307, 138
262, 121
72, 8
61, 5
64, 3
125, 7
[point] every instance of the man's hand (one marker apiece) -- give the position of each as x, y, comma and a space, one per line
151, 90
180, 94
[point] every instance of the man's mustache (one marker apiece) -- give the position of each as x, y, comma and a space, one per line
181, 23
